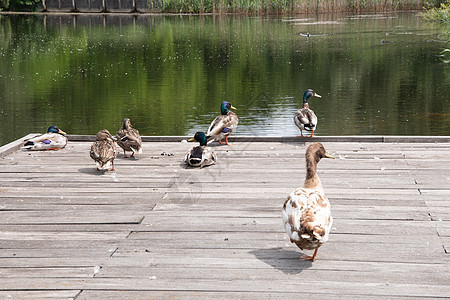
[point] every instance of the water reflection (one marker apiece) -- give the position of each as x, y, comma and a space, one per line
169, 74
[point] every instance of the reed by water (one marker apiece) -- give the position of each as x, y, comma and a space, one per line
284, 6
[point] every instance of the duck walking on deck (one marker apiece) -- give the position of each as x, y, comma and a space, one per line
224, 125
200, 156
305, 118
129, 139
306, 212
104, 151
54, 139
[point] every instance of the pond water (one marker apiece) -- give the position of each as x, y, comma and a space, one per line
377, 74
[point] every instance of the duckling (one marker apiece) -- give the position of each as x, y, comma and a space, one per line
304, 118
224, 125
129, 139
54, 139
306, 212
200, 156
104, 151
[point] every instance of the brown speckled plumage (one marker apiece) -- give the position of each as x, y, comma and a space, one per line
104, 151
129, 139
306, 211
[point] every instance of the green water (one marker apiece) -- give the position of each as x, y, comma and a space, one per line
168, 74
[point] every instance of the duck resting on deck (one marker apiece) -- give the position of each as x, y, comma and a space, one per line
54, 139
200, 156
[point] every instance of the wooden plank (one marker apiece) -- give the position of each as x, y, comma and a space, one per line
276, 267
91, 228
48, 272
38, 294
402, 276
138, 295
23, 236
255, 239
54, 253
231, 257
69, 217
276, 285
50, 262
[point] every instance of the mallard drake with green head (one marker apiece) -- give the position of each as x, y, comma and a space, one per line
223, 125
54, 139
129, 139
305, 118
306, 212
104, 151
200, 156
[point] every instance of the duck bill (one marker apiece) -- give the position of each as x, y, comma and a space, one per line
61, 132
317, 95
191, 139
232, 107
327, 155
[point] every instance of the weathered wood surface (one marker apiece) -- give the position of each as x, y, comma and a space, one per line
157, 229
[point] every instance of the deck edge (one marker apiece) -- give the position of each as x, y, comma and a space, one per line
360, 139
14, 145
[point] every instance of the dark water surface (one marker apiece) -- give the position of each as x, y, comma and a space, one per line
170, 73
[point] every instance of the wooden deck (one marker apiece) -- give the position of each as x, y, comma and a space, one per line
156, 229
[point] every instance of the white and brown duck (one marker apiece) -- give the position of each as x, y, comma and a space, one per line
306, 212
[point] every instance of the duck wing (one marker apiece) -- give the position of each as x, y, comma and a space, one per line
103, 151
307, 218
46, 141
195, 156
129, 139
223, 124
209, 157
200, 156
305, 118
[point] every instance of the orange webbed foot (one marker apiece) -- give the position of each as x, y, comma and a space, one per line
301, 134
307, 257
311, 258
226, 142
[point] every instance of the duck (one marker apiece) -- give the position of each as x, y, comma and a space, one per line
129, 139
305, 118
223, 125
54, 139
104, 151
306, 212
200, 156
